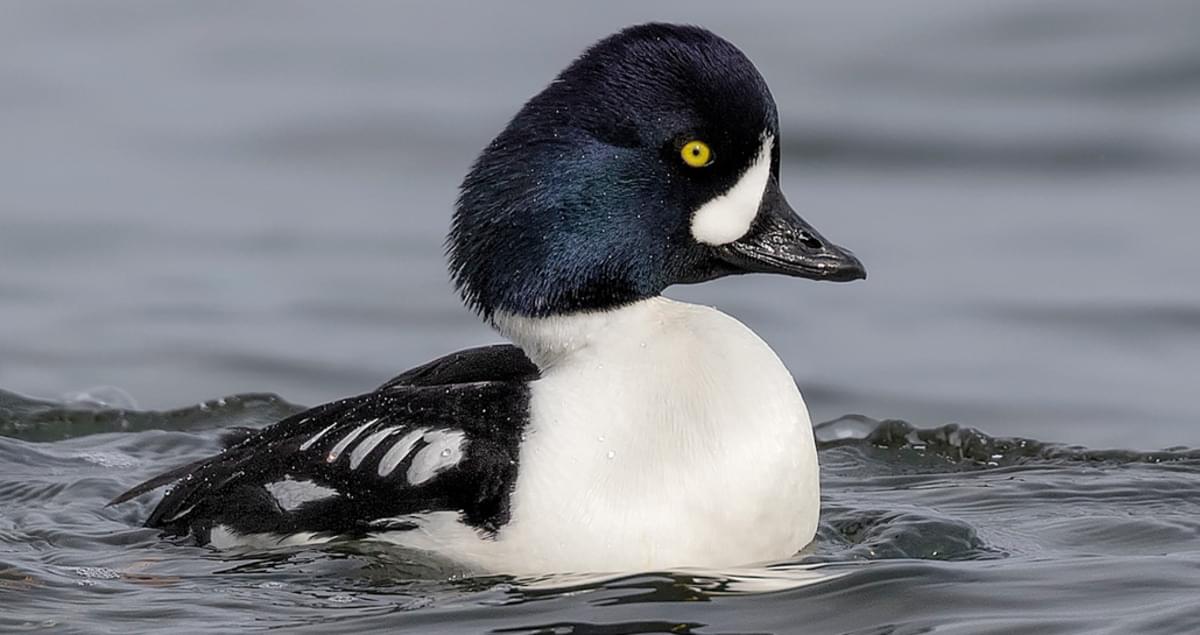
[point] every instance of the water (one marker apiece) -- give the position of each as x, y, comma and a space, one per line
205, 199
943, 527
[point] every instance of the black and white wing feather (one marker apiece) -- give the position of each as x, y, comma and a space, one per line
419, 444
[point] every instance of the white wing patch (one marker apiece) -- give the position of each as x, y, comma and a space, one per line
396, 455
291, 494
341, 446
728, 217
316, 437
363, 449
445, 450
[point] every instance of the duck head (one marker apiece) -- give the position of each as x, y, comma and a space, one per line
652, 160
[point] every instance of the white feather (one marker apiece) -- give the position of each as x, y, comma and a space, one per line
316, 437
728, 217
662, 435
364, 448
394, 456
292, 494
341, 446
445, 450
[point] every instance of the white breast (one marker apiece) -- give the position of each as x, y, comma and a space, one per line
662, 435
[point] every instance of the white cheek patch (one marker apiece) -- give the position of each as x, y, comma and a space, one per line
728, 217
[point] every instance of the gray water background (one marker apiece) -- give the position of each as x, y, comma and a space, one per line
206, 198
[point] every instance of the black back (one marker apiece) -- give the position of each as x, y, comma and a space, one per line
498, 362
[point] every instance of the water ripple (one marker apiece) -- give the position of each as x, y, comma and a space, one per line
950, 513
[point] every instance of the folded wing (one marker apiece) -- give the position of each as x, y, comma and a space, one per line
362, 464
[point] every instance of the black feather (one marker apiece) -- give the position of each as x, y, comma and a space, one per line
230, 488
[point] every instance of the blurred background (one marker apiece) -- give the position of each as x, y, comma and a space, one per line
206, 198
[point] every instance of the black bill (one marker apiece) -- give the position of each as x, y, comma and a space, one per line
780, 241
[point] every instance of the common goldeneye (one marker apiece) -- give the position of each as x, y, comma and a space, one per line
623, 431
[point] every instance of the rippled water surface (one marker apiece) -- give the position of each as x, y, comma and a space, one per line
201, 199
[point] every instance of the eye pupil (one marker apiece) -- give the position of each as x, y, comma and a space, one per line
696, 153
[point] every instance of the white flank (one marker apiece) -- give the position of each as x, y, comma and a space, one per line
396, 454
661, 435
363, 449
445, 450
728, 217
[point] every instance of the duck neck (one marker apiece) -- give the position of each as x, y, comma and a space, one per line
550, 340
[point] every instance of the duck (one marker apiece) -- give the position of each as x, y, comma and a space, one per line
619, 430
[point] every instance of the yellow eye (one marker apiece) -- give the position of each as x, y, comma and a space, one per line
696, 154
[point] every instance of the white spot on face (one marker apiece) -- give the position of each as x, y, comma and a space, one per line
445, 450
316, 437
341, 446
396, 455
728, 217
292, 494
363, 449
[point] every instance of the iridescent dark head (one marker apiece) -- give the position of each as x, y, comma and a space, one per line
652, 160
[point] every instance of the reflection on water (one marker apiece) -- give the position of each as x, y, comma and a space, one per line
210, 199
